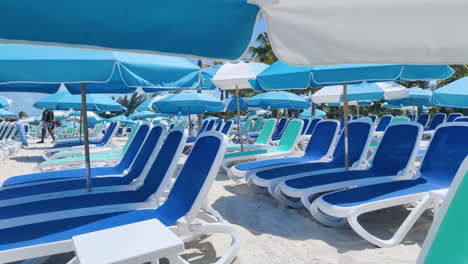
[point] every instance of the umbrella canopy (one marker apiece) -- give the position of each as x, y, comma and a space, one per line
153, 26
279, 99
361, 92
416, 97
188, 103
4, 102
6, 113
65, 101
206, 82
237, 75
454, 94
283, 76
308, 113
383, 32
143, 115
231, 104
88, 113
360, 103
102, 71
61, 115
122, 119
146, 105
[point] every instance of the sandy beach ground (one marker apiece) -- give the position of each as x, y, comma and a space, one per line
273, 233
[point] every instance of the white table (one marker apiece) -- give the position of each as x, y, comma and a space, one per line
137, 243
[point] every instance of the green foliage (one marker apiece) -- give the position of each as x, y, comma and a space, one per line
22, 114
263, 52
131, 102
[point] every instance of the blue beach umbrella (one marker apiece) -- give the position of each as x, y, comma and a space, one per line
5, 102
416, 97
308, 113
146, 105
65, 101
6, 113
454, 94
153, 26
283, 76
281, 99
143, 115
186, 103
231, 104
122, 119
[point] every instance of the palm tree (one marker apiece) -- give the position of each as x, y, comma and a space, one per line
132, 102
263, 52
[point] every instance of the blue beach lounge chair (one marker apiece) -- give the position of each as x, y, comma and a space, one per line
447, 150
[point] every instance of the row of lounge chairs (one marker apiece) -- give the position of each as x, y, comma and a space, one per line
386, 177
43, 211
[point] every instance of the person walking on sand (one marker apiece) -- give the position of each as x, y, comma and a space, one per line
47, 124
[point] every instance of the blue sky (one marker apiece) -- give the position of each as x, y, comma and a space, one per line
24, 101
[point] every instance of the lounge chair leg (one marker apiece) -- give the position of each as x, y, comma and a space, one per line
423, 204
278, 194
255, 188
324, 219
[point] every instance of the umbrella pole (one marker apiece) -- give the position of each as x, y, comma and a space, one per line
357, 109
238, 118
86, 137
345, 118
189, 123
81, 124
312, 105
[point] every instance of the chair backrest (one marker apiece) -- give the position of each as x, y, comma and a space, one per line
447, 233
372, 117
342, 121
210, 125
383, 123
411, 117
397, 149
246, 125
322, 139
445, 153
453, 116
359, 137
227, 127
437, 119
134, 147
305, 125
203, 127
257, 124
400, 119
157, 176
219, 125
423, 119
291, 135
461, 119
312, 125
130, 138
267, 132
355, 117
280, 126
195, 178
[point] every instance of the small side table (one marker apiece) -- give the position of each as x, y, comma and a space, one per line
137, 243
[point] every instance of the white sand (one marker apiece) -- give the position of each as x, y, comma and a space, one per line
273, 233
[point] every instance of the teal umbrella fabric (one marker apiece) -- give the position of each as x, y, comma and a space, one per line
188, 103
454, 94
143, 115
231, 103
217, 29
6, 113
39, 68
416, 97
308, 113
279, 99
65, 101
122, 119
280, 76
146, 105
